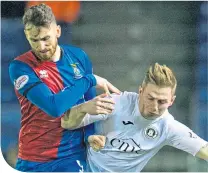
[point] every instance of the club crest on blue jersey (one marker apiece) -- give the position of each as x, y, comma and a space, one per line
77, 73
151, 132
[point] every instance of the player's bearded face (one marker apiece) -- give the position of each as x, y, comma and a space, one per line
43, 41
154, 100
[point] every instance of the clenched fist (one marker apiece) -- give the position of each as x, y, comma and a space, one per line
97, 142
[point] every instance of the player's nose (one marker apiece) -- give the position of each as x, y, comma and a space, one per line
41, 46
155, 107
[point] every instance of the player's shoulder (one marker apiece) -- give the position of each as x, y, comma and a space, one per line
16, 65
130, 96
22, 65
174, 126
125, 96
25, 60
168, 117
25, 56
19, 69
73, 49
75, 53
165, 120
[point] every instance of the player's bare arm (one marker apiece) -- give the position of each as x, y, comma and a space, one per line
99, 105
203, 153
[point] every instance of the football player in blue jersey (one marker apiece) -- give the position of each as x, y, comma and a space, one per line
48, 80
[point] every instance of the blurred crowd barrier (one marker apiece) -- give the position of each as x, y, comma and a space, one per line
123, 39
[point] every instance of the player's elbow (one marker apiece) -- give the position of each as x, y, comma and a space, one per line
67, 124
47, 105
54, 109
53, 112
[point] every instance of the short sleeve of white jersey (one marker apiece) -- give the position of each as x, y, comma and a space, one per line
89, 119
183, 138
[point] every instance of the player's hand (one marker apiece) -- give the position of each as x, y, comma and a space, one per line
97, 142
102, 83
98, 105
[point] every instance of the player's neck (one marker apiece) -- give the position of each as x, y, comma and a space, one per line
57, 55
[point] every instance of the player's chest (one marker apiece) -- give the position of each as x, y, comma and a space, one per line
64, 74
129, 135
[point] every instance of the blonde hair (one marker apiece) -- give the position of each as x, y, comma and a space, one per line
161, 76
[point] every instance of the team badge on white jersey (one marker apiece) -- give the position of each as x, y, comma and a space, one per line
43, 74
21, 81
151, 132
77, 73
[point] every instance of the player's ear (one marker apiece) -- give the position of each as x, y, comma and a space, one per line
140, 89
58, 31
172, 100
26, 33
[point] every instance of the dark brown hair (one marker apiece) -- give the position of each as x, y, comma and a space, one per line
38, 15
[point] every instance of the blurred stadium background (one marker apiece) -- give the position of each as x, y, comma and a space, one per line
122, 40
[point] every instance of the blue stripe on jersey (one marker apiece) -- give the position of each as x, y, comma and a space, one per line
78, 64
72, 143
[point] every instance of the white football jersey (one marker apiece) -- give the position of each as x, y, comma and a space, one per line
133, 140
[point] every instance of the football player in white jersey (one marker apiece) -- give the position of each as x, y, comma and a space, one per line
136, 127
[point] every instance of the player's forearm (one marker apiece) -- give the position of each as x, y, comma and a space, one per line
73, 118
79, 115
57, 104
73, 93
203, 153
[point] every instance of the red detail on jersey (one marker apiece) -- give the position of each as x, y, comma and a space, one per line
52, 78
40, 134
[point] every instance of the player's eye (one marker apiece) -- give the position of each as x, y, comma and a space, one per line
46, 38
162, 101
34, 40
